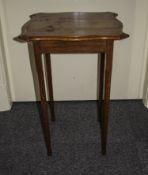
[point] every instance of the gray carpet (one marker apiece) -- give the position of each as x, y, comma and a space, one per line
75, 140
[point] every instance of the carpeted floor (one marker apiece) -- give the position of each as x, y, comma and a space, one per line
75, 140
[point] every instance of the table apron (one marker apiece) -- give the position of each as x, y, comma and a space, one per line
73, 46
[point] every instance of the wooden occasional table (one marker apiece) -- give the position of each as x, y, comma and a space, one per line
73, 32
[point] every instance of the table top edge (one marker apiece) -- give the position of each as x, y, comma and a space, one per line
25, 38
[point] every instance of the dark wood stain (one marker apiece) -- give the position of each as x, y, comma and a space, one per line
72, 26
74, 32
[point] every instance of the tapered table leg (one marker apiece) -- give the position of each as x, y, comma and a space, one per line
44, 103
101, 83
50, 87
108, 72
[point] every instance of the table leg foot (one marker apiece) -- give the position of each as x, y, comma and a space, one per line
49, 152
103, 151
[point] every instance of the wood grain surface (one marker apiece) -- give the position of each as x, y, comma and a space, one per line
73, 26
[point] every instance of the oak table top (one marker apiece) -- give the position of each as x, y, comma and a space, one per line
73, 26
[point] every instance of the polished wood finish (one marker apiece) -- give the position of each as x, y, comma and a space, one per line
101, 83
73, 46
108, 72
50, 88
44, 103
74, 32
72, 26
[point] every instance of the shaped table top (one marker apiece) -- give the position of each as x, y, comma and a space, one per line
72, 26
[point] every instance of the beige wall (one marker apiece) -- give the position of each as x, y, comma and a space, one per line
74, 76
5, 95
145, 88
